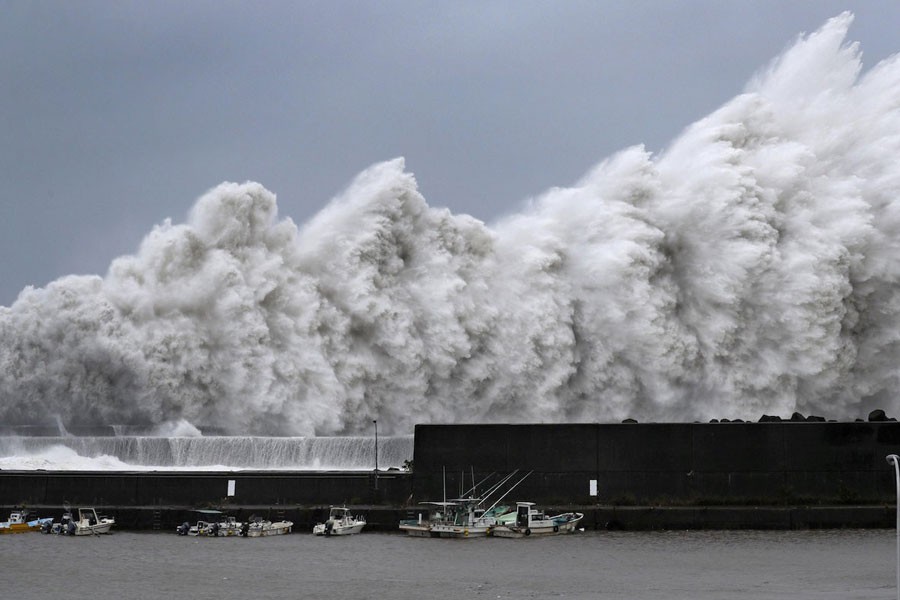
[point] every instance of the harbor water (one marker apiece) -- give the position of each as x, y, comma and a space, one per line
714, 565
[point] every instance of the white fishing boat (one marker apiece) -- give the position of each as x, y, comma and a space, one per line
465, 519
529, 520
340, 522
427, 520
89, 523
263, 528
461, 517
20, 523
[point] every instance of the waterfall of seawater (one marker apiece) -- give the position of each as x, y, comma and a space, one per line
213, 452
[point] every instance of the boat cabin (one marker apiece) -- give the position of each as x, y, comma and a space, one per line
337, 513
527, 514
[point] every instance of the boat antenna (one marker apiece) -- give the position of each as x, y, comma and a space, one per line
474, 487
496, 486
511, 489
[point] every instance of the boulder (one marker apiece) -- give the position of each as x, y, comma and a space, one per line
877, 415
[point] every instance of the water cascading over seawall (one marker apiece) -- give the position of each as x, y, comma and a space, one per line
120, 453
749, 268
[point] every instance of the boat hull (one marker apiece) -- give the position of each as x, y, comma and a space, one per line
93, 529
437, 530
19, 528
416, 530
459, 531
221, 532
337, 529
266, 530
551, 527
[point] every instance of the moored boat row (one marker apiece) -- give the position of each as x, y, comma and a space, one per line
454, 520
87, 523
215, 523
463, 517
466, 517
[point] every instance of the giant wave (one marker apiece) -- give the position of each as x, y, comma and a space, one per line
749, 268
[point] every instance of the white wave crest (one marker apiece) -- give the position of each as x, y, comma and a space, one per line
750, 268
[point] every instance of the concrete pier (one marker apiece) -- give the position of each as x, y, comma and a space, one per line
782, 475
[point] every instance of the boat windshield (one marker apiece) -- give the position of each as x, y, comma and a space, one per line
497, 511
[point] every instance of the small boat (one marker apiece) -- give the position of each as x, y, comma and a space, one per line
423, 526
19, 523
340, 522
261, 528
87, 523
199, 529
62, 526
528, 520
214, 524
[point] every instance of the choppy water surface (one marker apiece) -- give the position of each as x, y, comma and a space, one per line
846, 565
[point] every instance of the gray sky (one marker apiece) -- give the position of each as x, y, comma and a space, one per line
117, 115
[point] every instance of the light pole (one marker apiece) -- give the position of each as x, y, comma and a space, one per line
375, 421
895, 460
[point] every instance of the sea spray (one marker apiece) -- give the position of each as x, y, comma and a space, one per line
204, 453
749, 268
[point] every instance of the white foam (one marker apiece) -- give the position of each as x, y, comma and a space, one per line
750, 268
213, 453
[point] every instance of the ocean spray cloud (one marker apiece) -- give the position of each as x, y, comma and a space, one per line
750, 268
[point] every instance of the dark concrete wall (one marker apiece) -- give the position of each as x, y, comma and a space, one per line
198, 489
667, 463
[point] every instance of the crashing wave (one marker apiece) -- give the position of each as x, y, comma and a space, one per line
750, 268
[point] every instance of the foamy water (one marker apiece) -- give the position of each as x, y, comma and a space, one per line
750, 268
137, 453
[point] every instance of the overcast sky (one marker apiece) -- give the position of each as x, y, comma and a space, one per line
117, 115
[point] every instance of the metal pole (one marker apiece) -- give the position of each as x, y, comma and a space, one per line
375, 421
895, 460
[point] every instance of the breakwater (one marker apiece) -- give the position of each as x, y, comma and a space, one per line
773, 475
203, 489
667, 464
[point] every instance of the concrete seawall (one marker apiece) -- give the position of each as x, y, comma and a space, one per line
630, 476
204, 488
666, 464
